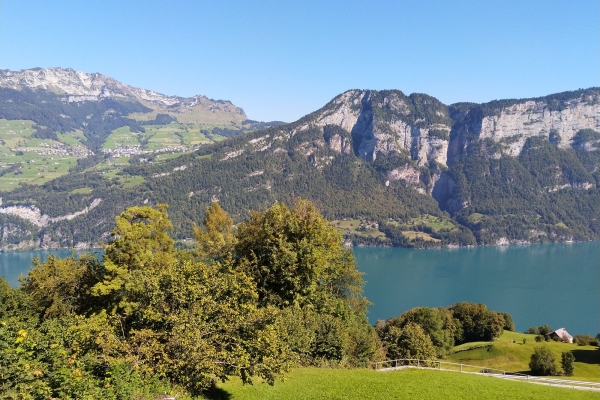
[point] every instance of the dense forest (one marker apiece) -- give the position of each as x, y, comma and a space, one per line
278, 291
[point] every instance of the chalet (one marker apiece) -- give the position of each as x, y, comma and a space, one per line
562, 334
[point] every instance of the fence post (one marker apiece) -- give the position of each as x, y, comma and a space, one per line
418, 363
396, 363
460, 367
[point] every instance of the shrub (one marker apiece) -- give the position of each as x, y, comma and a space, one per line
544, 330
408, 342
437, 323
542, 362
585, 340
533, 330
524, 340
539, 338
566, 362
509, 324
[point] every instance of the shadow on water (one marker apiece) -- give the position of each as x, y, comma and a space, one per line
587, 356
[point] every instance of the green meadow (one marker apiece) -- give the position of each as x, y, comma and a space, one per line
357, 227
322, 383
511, 354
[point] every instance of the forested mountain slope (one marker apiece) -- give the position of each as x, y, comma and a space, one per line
385, 168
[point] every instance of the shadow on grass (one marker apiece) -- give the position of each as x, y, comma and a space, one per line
216, 393
587, 356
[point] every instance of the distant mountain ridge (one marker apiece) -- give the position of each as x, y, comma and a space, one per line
79, 86
386, 168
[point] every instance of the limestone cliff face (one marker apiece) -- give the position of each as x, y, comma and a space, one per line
511, 125
383, 122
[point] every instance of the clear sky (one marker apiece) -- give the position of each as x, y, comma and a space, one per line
281, 59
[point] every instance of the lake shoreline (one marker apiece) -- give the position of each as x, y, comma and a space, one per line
508, 244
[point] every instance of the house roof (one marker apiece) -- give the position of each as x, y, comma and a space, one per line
562, 332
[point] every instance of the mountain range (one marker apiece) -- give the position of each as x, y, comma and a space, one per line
384, 167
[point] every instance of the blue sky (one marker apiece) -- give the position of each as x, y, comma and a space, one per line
280, 60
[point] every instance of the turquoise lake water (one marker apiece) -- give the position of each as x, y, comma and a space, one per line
554, 284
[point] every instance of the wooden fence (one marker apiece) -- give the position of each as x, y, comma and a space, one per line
403, 363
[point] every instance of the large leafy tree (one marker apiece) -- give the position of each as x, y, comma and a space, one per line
142, 246
296, 257
477, 322
216, 238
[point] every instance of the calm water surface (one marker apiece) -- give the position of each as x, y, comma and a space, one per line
554, 284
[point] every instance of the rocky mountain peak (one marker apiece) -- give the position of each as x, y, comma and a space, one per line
79, 86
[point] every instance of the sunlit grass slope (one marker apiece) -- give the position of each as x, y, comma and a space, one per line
506, 355
315, 383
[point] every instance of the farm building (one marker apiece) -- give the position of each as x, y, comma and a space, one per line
562, 334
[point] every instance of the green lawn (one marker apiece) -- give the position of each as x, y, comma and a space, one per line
316, 383
514, 357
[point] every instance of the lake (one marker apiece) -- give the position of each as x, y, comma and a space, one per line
554, 284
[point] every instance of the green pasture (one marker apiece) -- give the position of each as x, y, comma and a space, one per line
356, 227
74, 138
131, 181
321, 383
83, 190
35, 169
514, 356
476, 218
121, 137
435, 223
411, 235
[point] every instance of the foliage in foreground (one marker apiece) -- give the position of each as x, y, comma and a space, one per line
148, 318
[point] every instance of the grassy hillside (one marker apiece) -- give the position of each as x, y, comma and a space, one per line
315, 383
514, 357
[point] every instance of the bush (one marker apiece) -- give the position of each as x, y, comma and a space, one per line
509, 324
524, 340
533, 330
566, 362
542, 362
585, 340
544, 330
408, 342
539, 338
